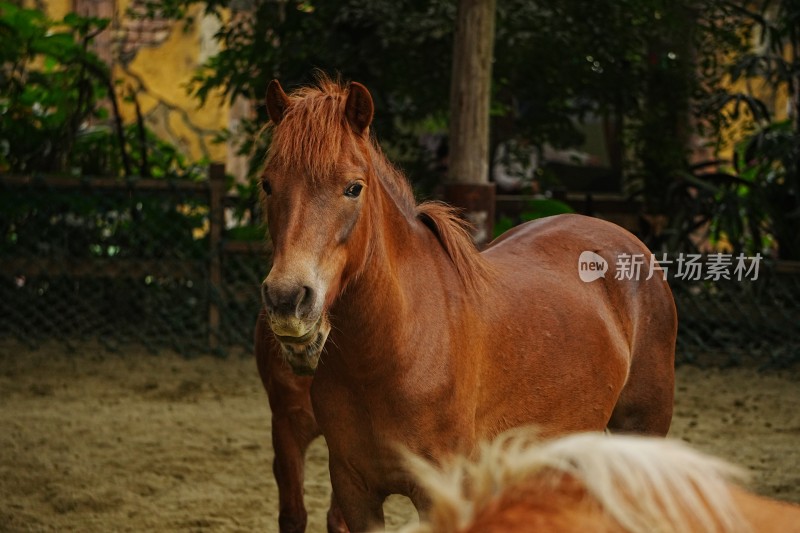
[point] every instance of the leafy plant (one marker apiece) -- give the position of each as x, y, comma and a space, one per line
534, 209
52, 85
766, 166
769, 160
770, 157
649, 69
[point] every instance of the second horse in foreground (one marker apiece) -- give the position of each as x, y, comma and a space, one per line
594, 482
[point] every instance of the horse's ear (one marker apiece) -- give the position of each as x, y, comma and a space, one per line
359, 108
277, 101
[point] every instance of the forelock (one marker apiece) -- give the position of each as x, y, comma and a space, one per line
314, 132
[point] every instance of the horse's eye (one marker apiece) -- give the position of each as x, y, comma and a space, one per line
353, 190
265, 186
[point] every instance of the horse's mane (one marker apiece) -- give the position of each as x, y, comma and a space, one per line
644, 484
453, 233
313, 131
312, 136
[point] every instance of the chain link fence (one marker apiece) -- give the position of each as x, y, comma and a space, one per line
153, 263
122, 262
731, 322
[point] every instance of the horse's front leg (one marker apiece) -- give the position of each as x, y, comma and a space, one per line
290, 439
292, 432
362, 510
336, 523
293, 427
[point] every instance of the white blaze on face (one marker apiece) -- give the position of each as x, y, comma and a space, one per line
591, 266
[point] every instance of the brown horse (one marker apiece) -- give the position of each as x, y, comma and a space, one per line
594, 482
418, 339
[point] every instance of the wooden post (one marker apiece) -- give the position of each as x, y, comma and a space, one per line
216, 221
468, 185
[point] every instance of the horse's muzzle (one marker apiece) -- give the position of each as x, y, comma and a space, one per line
302, 352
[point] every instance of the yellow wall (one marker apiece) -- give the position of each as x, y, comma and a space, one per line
158, 76
777, 103
56, 9
740, 129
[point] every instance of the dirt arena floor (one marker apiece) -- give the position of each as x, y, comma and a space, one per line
142, 442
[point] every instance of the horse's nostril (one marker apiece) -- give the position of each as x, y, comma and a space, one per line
297, 300
308, 297
304, 302
266, 300
298, 297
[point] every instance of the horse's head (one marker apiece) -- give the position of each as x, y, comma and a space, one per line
316, 186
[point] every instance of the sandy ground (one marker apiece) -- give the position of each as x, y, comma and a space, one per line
143, 442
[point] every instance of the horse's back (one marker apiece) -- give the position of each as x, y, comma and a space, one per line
550, 249
627, 321
572, 232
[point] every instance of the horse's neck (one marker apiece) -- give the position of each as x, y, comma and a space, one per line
405, 280
401, 249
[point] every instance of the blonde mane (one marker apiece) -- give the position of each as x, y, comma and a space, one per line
312, 136
644, 484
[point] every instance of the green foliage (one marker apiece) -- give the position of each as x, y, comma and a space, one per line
770, 161
705, 196
770, 156
755, 199
562, 60
51, 84
53, 91
555, 61
85, 223
650, 70
55, 98
401, 50
534, 209
96, 152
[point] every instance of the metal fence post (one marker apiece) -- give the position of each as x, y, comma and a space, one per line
216, 219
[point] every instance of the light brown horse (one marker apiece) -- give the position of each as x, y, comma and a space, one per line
418, 339
594, 482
